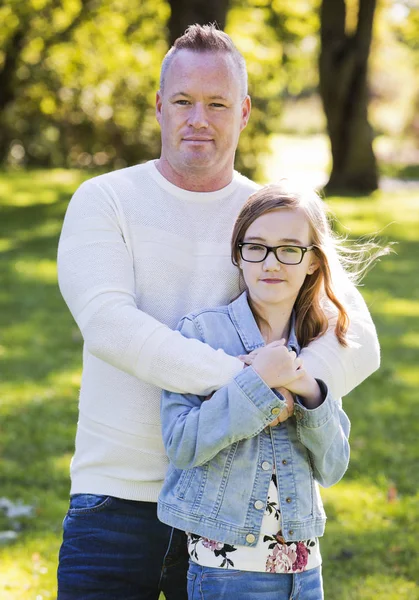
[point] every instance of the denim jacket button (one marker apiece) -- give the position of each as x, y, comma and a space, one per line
298, 414
266, 465
291, 532
288, 500
276, 410
259, 504
250, 538
284, 462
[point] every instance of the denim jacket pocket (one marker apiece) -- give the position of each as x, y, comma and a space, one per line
84, 504
185, 482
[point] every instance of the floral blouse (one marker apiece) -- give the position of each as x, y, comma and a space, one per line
272, 554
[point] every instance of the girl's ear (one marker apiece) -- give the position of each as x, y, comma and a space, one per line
312, 267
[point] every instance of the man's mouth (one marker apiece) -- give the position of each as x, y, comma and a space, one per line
197, 139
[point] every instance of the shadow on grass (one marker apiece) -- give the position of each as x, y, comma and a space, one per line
398, 171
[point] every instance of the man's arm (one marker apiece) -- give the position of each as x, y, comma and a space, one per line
96, 279
344, 368
196, 429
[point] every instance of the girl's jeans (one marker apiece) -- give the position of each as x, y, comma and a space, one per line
117, 549
208, 583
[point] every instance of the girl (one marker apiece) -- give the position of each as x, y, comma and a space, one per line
246, 463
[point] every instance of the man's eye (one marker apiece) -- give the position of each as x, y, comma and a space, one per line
182, 102
217, 105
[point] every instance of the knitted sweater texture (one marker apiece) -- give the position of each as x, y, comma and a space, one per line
136, 254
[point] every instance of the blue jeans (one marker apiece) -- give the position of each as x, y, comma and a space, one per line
209, 583
117, 549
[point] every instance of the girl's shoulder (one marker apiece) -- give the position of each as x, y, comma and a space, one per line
211, 325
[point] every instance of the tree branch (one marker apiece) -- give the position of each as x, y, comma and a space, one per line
332, 20
363, 34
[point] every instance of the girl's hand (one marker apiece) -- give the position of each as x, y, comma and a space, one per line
288, 410
249, 358
308, 388
276, 365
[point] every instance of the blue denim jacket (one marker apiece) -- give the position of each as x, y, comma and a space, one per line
222, 451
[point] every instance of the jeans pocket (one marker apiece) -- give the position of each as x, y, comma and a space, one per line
84, 504
191, 577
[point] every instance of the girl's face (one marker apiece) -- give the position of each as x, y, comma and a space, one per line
271, 283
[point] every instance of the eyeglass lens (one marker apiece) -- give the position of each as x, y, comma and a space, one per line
289, 255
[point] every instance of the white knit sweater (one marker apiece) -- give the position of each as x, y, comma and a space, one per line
136, 254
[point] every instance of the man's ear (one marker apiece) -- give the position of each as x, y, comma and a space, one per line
246, 108
159, 102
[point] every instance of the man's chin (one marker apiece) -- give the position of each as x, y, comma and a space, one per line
198, 162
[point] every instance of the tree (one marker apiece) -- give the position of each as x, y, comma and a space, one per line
344, 92
188, 12
77, 81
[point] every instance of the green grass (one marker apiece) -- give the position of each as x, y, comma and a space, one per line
371, 544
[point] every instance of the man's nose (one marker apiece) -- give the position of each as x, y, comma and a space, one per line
198, 116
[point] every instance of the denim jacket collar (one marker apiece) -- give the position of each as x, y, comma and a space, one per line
245, 323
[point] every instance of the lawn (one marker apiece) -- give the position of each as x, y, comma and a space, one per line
371, 544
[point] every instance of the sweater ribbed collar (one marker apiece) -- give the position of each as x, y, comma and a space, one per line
187, 194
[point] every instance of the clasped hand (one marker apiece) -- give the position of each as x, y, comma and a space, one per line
280, 369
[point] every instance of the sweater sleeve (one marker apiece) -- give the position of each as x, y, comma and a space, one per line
324, 431
96, 279
342, 369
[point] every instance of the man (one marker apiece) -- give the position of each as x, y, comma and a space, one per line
140, 248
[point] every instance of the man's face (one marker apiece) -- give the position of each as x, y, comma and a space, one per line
201, 114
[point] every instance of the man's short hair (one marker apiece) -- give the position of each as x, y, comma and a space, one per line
206, 38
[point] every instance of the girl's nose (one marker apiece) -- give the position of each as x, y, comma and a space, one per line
271, 262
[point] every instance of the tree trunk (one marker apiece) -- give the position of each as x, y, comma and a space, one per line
343, 87
189, 12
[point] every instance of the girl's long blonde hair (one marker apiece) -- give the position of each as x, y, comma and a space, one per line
336, 261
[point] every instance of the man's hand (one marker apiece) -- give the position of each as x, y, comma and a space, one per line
307, 388
288, 410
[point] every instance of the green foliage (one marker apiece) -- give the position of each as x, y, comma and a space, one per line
370, 545
78, 78
84, 80
85, 76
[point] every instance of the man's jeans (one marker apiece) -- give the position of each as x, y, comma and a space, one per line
117, 549
208, 583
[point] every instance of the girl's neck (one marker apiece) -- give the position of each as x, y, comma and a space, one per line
274, 324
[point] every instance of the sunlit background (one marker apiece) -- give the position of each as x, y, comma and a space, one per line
77, 89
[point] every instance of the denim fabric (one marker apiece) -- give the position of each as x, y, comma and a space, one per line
222, 452
207, 583
117, 549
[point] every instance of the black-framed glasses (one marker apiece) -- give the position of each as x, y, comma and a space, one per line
287, 255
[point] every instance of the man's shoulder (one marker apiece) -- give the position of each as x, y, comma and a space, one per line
246, 184
127, 175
